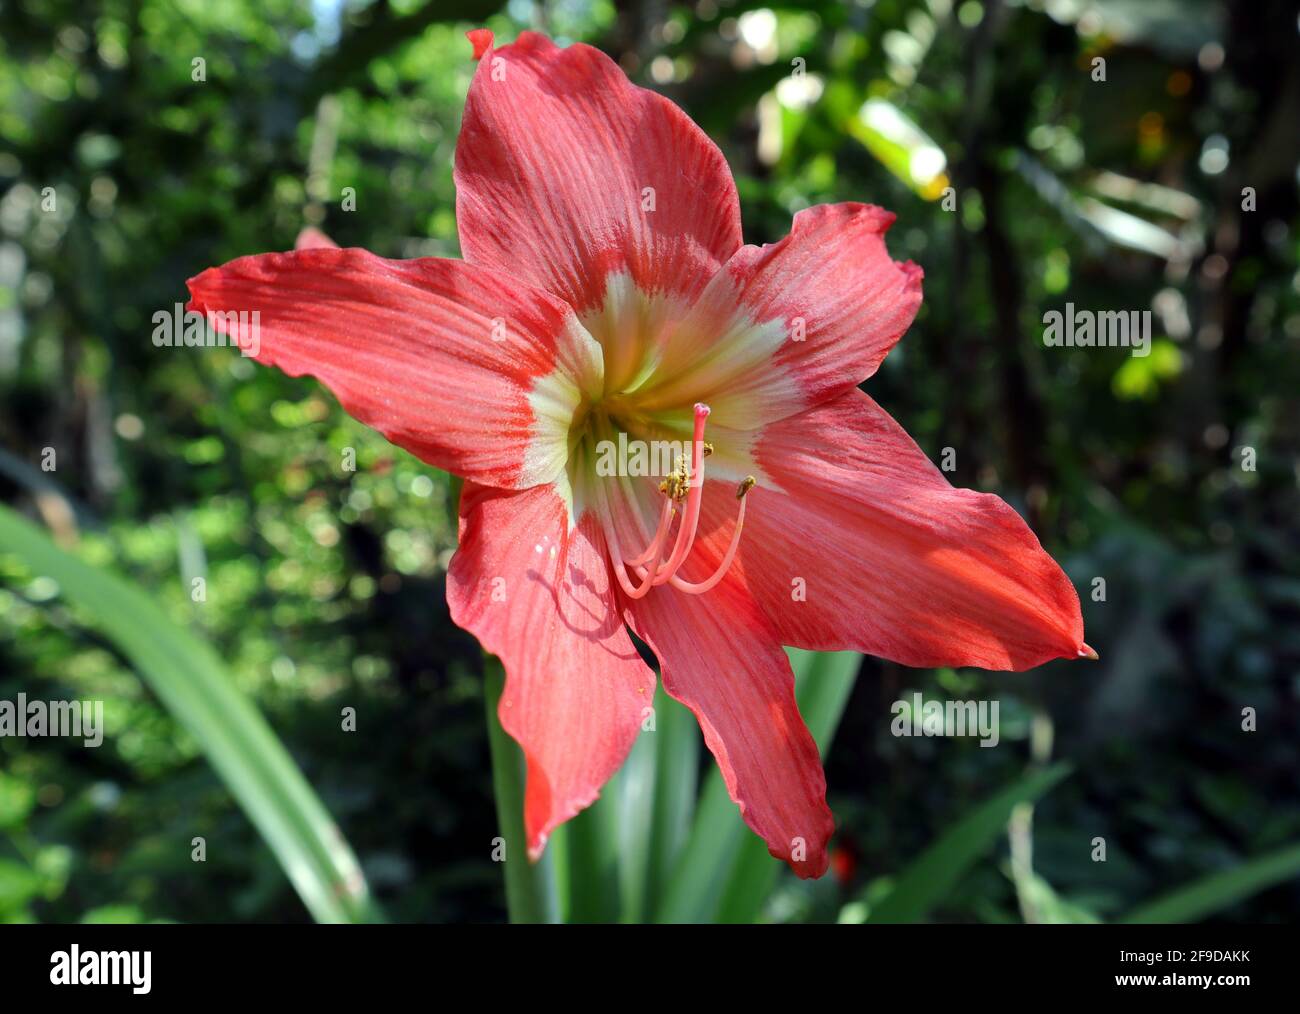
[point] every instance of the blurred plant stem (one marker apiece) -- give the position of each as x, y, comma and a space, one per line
1020, 827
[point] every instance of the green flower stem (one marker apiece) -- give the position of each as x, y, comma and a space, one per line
531, 895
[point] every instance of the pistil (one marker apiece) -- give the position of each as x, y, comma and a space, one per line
691, 517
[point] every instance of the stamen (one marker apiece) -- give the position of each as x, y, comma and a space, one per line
700, 587
652, 553
677, 484
658, 538
665, 521
691, 519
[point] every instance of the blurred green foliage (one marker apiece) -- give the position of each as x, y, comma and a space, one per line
324, 588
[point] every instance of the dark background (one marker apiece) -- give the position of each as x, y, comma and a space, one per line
326, 590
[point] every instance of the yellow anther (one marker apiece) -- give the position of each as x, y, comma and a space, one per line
677, 485
746, 485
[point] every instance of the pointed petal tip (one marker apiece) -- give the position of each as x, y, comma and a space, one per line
1089, 653
311, 238
482, 40
195, 280
194, 288
810, 869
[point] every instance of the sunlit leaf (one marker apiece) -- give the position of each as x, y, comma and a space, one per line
901, 147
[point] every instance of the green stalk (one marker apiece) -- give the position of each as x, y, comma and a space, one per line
530, 887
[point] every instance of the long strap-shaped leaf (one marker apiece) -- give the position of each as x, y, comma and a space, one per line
929, 878
1218, 891
194, 685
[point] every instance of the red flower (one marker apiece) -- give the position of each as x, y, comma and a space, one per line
605, 290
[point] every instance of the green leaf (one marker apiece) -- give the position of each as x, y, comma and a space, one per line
1220, 890
633, 789
192, 683
114, 915
823, 682
16, 800
929, 878
18, 886
531, 895
725, 872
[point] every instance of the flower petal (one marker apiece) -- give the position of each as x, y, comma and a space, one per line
536, 593
868, 547
721, 658
566, 174
791, 324
464, 367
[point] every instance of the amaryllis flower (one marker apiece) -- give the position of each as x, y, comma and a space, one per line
606, 291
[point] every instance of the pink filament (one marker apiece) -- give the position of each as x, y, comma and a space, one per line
656, 543
651, 553
700, 587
